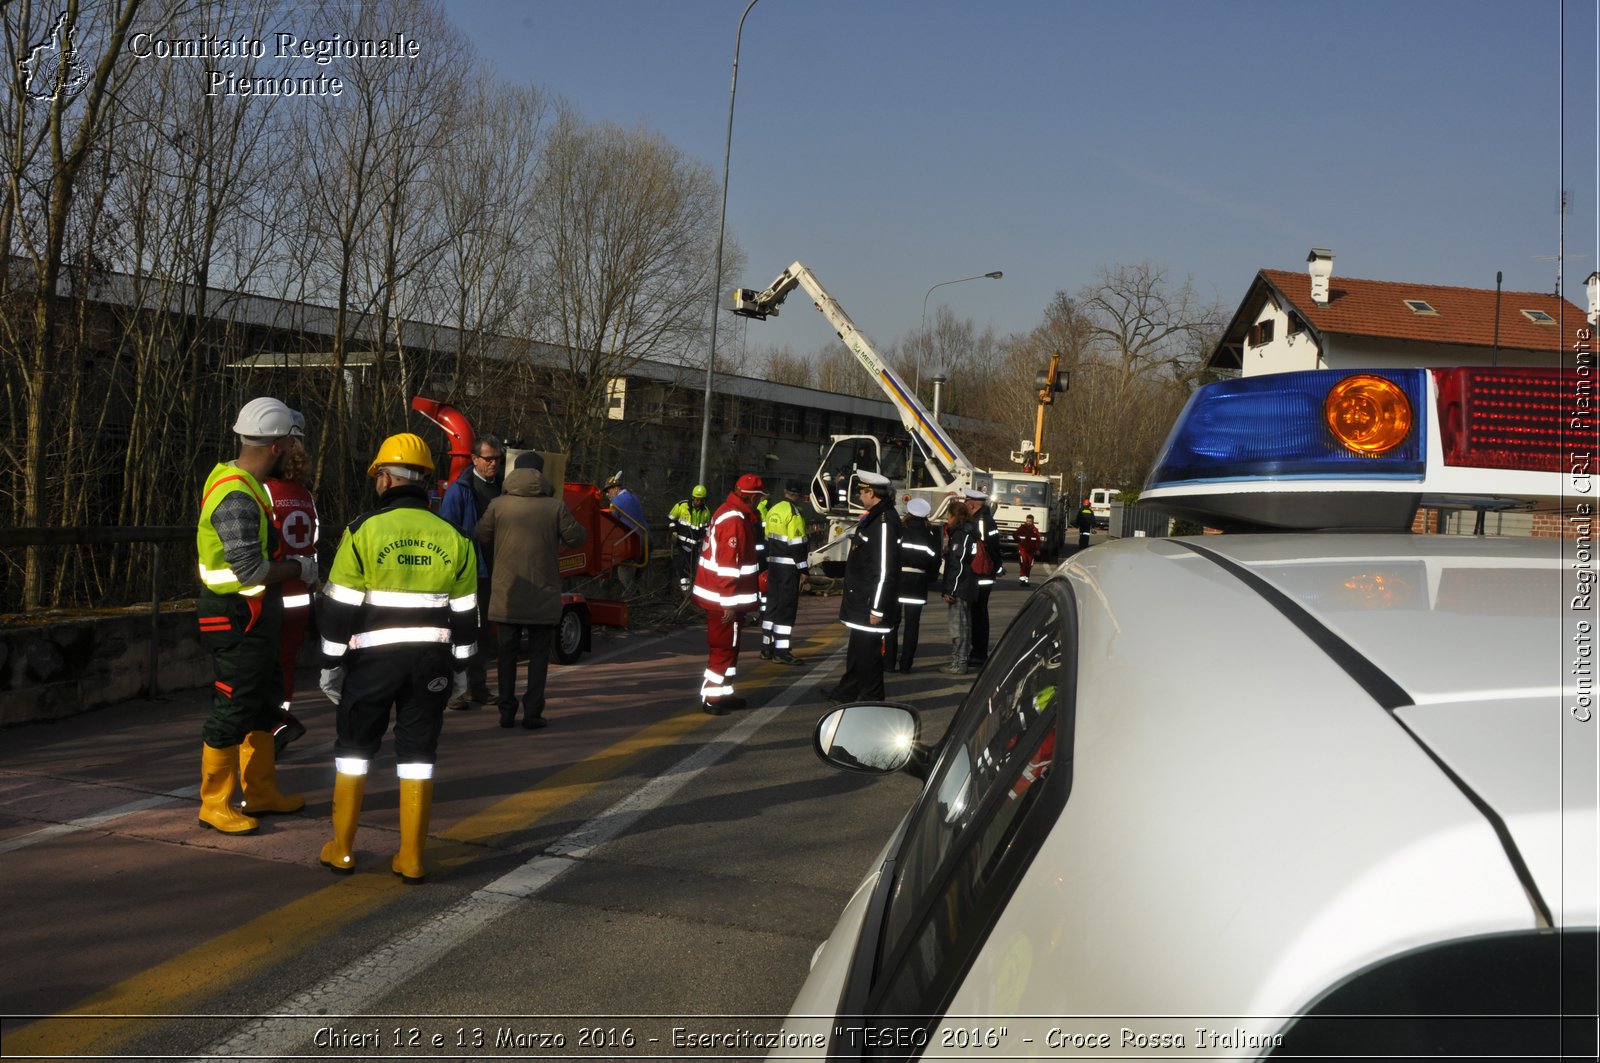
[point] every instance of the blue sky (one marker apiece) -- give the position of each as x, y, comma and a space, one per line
895, 144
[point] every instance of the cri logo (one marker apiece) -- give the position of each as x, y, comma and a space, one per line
299, 531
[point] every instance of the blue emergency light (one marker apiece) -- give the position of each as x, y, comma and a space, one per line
1324, 424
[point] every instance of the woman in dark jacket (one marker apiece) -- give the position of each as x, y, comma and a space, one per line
960, 584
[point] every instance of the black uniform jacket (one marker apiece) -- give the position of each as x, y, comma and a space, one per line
872, 571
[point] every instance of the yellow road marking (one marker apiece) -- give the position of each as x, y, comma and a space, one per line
173, 986
118, 1013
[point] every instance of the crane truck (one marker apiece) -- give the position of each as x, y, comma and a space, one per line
1016, 496
933, 470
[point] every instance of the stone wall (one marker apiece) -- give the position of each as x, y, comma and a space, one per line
62, 668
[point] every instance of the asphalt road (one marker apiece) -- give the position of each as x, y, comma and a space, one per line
637, 867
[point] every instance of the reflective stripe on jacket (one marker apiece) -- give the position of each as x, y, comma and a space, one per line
727, 574
872, 572
919, 560
786, 535
687, 523
227, 479
402, 577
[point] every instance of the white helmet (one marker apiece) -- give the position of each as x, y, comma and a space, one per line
263, 420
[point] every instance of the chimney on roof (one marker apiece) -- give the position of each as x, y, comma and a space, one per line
1593, 287
1320, 266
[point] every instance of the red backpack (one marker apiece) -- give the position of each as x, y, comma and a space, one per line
982, 563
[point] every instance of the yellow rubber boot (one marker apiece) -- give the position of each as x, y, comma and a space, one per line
416, 801
217, 768
338, 855
258, 772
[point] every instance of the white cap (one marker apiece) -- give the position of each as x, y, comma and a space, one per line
918, 507
873, 479
263, 420
972, 493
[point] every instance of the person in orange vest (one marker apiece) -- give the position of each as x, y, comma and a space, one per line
725, 587
294, 518
240, 614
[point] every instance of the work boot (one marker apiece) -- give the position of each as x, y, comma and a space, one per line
766, 653
338, 855
714, 707
416, 801
533, 718
785, 657
463, 702
217, 768
286, 732
953, 669
258, 774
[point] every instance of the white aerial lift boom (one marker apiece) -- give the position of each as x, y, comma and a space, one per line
833, 491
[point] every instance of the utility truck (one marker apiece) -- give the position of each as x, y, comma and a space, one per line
1015, 496
928, 464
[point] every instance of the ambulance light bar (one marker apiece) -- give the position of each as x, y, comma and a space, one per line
1336, 449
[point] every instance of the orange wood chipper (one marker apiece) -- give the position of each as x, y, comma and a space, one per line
611, 541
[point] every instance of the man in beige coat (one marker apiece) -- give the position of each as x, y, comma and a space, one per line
524, 528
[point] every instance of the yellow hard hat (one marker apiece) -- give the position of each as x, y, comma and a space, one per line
699, 491
404, 448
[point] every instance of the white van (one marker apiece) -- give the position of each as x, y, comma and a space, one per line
1100, 501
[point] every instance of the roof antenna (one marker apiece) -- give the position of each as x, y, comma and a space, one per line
1494, 358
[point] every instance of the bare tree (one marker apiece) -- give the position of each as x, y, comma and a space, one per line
482, 206
367, 155
783, 366
624, 224
63, 97
1131, 342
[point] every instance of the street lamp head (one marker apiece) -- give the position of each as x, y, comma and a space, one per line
996, 275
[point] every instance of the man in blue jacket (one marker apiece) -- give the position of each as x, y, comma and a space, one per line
463, 505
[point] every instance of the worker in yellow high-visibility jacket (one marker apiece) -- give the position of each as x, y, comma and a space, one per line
399, 623
240, 609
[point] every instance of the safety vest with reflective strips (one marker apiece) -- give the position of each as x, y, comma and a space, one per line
786, 535
688, 524
294, 516
729, 569
403, 578
218, 578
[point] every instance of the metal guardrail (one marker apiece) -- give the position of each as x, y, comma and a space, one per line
155, 535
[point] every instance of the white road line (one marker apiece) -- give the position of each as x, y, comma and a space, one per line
349, 991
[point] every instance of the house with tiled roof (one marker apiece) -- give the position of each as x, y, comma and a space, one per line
1291, 321
1315, 320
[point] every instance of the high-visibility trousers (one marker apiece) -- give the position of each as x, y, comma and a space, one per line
413, 682
722, 664
783, 602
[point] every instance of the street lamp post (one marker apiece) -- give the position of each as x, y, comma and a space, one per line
992, 275
722, 225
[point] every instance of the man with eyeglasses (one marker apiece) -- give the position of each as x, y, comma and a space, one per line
464, 503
